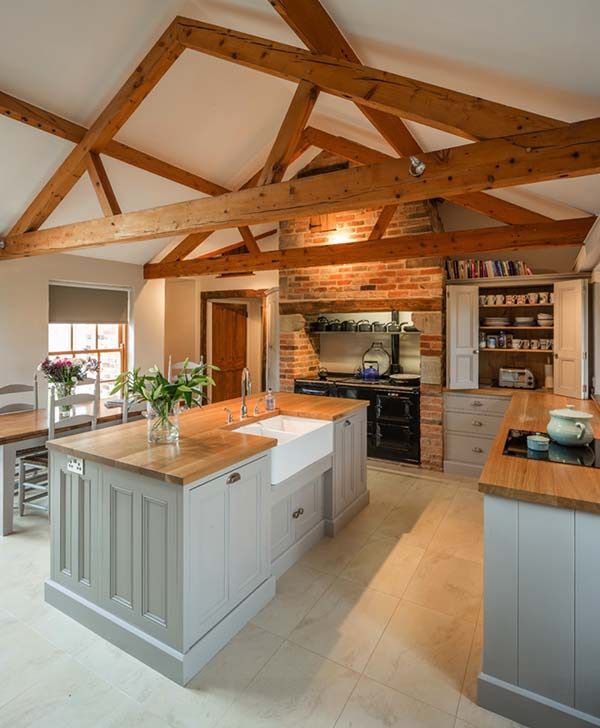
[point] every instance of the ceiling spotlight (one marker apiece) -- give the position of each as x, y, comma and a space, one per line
417, 167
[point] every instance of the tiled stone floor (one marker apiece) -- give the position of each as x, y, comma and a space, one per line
377, 628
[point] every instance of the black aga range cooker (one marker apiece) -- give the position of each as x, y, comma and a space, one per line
393, 415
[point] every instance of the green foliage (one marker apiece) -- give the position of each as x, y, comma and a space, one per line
164, 395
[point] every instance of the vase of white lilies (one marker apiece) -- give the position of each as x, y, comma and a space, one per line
165, 397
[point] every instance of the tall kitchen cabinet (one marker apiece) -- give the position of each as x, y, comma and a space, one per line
469, 303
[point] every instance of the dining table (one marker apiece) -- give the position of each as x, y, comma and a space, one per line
23, 430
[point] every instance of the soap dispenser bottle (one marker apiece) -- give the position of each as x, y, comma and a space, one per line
269, 400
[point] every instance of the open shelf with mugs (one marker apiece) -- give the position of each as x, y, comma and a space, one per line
535, 324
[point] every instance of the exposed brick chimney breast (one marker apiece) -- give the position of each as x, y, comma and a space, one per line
353, 286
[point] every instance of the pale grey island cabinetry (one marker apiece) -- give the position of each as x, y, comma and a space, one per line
171, 571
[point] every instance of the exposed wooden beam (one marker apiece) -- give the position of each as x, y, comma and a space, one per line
458, 113
191, 242
569, 151
383, 221
561, 233
146, 75
13, 108
186, 246
314, 26
317, 30
489, 205
220, 252
249, 239
345, 305
102, 186
289, 134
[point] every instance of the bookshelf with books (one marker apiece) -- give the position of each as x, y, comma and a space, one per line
472, 269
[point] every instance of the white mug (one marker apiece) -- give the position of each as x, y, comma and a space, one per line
499, 298
482, 300
532, 297
524, 343
516, 343
535, 343
544, 297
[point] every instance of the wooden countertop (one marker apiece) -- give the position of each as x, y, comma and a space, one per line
553, 484
206, 442
19, 426
484, 391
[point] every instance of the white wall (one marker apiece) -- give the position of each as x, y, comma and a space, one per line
24, 309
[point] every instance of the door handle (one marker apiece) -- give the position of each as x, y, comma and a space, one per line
233, 478
477, 449
477, 423
476, 403
347, 423
298, 513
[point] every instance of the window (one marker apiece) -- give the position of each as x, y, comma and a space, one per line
105, 342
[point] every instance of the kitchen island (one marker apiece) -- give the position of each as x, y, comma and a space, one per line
541, 658
167, 550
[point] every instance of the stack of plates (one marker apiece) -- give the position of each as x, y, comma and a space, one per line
545, 319
496, 321
524, 321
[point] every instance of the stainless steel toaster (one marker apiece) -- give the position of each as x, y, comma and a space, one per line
516, 378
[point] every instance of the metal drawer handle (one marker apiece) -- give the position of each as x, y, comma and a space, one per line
476, 403
477, 423
233, 478
347, 423
477, 449
298, 513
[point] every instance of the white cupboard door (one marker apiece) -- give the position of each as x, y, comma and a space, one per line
570, 338
463, 337
248, 540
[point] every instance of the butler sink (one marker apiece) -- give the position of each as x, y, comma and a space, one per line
300, 442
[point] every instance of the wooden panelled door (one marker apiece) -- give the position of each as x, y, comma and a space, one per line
229, 346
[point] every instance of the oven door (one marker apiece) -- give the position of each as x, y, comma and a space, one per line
394, 441
320, 389
398, 407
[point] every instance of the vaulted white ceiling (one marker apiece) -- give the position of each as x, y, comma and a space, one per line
219, 119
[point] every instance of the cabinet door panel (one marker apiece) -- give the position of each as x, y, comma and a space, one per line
463, 337
208, 553
282, 532
246, 528
570, 338
307, 503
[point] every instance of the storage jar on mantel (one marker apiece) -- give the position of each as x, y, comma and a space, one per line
570, 427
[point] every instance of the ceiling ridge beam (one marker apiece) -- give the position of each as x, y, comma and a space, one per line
452, 111
220, 252
422, 245
146, 75
569, 151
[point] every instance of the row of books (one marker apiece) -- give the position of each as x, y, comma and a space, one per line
464, 269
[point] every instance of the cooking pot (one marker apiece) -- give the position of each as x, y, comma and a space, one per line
378, 327
320, 324
570, 427
349, 325
363, 325
394, 327
334, 325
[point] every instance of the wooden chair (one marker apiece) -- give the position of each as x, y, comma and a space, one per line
33, 468
132, 409
18, 389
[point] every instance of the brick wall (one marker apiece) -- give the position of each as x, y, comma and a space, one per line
420, 282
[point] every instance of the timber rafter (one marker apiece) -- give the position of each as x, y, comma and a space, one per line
511, 147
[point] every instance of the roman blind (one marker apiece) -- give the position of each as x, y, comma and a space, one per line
81, 305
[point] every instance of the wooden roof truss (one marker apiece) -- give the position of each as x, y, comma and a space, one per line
510, 147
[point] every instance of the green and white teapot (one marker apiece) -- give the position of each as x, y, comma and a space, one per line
570, 427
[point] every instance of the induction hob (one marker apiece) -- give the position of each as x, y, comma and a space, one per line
587, 455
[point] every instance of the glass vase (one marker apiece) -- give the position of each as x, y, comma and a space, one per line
63, 389
162, 423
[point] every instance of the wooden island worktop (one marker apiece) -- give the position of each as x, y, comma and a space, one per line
546, 483
207, 443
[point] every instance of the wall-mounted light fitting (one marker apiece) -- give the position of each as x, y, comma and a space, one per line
417, 167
